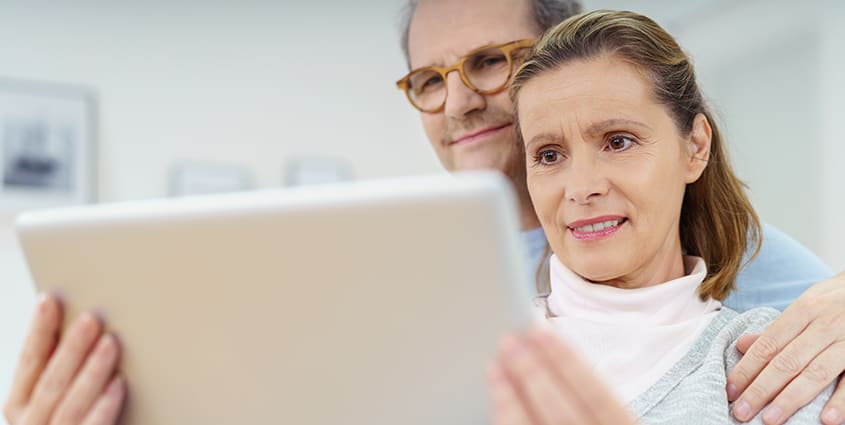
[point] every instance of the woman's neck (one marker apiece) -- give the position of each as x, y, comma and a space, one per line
667, 264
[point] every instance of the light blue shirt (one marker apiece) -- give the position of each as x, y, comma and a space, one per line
778, 275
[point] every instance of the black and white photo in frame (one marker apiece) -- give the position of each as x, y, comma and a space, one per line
47, 145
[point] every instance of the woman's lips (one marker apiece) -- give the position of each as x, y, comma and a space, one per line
479, 135
596, 229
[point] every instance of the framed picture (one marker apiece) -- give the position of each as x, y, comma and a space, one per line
198, 178
47, 145
316, 170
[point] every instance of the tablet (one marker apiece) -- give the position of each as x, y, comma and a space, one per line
373, 303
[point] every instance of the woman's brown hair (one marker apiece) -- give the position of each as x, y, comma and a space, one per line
717, 220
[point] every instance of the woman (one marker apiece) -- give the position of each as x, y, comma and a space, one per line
647, 223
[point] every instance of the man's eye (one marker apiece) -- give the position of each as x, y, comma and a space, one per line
490, 60
430, 83
619, 143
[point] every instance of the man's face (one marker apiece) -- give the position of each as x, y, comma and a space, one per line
473, 131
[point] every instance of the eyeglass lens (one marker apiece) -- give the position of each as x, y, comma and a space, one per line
486, 71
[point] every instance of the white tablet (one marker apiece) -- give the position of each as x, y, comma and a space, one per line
376, 303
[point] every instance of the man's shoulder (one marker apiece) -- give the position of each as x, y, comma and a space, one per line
782, 257
781, 271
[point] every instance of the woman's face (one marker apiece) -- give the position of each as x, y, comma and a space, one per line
607, 169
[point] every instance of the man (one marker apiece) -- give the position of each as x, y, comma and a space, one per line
461, 55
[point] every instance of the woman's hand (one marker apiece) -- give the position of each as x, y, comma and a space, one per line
537, 380
65, 379
799, 355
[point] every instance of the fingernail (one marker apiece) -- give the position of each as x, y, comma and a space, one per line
732, 392
772, 415
831, 416
512, 345
742, 410
495, 374
87, 324
41, 302
115, 387
539, 334
87, 319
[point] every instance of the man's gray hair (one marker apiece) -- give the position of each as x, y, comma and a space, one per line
547, 13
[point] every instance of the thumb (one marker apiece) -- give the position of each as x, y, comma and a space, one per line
744, 342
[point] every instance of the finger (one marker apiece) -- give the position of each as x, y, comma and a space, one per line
533, 379
744, 342
834, 410
89, 383
812, 380
587, 390
507, 407
780, 333
786, 365
107, 408
807, 385
72, 350
38, 346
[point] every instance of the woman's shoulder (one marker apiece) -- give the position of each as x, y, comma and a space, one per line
735, 324
699, 379
756, 320
726, 328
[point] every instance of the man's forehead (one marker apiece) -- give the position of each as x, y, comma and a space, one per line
443, 30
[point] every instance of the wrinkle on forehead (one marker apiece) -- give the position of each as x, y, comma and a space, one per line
442, 31
585, 90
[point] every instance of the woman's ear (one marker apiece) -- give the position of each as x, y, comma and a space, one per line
699, 147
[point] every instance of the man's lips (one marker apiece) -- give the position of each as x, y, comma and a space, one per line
476, 135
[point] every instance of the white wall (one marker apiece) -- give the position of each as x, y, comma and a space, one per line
16, 303
247, 82
832, 150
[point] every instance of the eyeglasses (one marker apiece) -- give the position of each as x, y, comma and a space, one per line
486, 70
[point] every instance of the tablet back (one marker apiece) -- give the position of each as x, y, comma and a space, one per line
367, 303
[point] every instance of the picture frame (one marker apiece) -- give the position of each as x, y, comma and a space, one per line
48, 145
311, 170
203, 177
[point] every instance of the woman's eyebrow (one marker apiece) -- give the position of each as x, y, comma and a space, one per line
544, 138
602, 127
596, 129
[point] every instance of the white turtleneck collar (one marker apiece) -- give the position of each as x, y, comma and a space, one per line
631, 337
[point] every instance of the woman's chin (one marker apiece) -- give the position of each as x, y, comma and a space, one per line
597, 273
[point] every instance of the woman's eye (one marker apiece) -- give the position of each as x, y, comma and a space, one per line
548, 157
619, 143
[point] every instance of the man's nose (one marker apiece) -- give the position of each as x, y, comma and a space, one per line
460, 99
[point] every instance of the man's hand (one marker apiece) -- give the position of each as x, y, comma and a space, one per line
537, 380
799, 355
65, 379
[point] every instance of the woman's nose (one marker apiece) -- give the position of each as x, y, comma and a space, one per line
585, 182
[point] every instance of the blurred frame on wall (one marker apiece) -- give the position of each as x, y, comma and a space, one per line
311, 170
202, 177
47, 145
